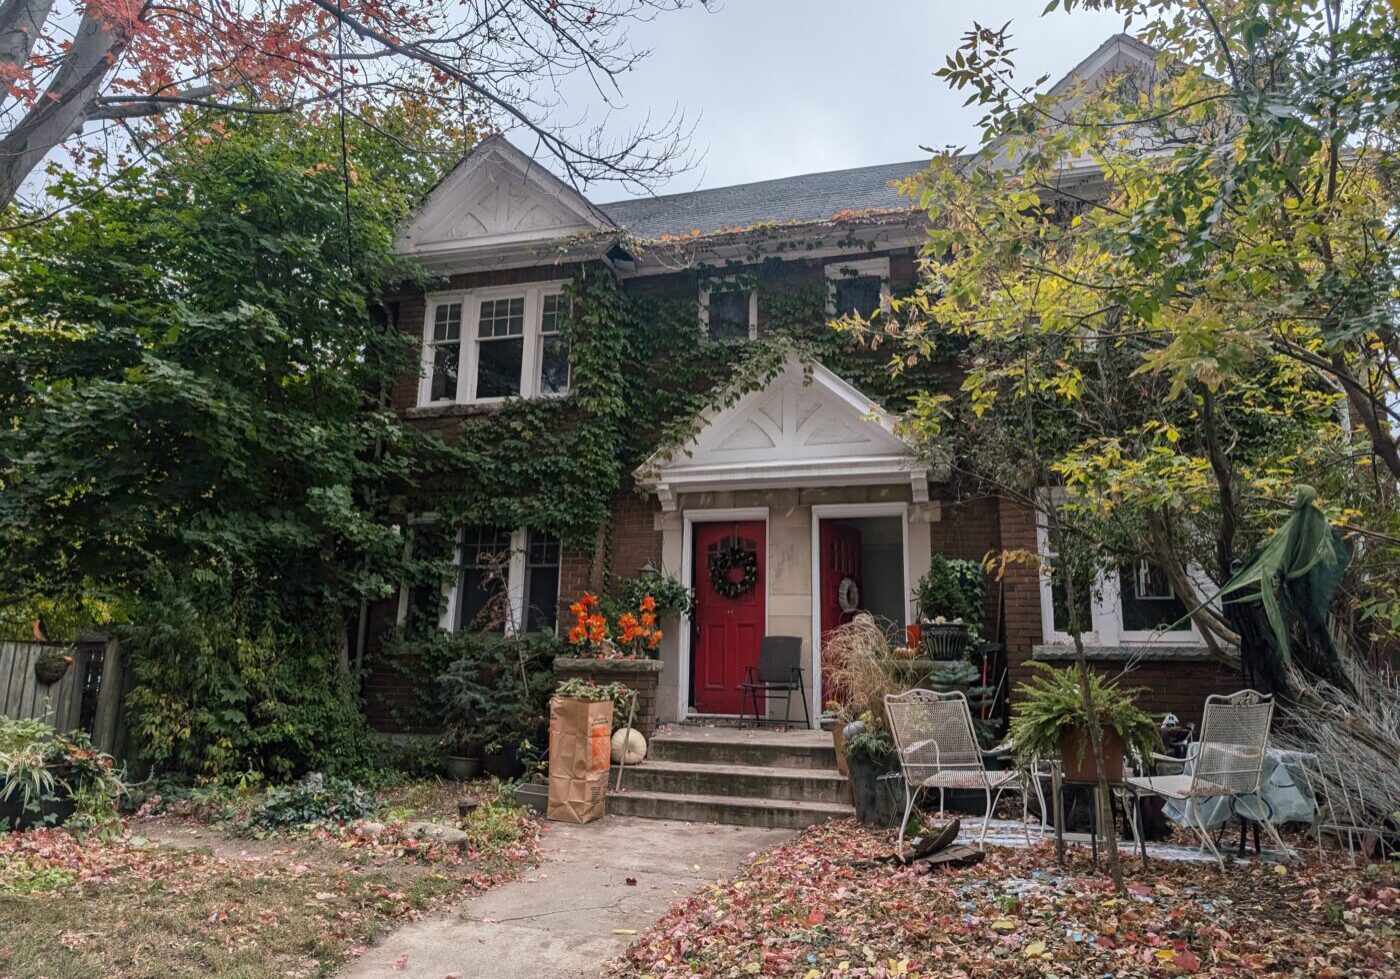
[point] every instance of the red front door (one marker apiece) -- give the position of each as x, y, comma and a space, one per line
728, 628
840, 561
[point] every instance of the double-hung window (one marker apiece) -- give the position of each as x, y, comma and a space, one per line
485, 345
445, 351
1132, 603
507, 581
500, 348
728, 312
858, 286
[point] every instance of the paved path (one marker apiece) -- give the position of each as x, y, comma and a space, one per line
563, 919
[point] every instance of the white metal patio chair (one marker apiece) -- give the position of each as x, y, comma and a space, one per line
1228, 762
937, 749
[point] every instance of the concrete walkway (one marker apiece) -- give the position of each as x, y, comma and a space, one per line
576, 911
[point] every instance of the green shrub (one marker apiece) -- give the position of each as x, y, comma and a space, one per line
497, 691
953, 589
316, 798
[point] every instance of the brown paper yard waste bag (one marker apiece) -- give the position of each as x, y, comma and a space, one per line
580, 749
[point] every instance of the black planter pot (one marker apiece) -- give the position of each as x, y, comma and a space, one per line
504, 763
879, 800
944, 641
51, 812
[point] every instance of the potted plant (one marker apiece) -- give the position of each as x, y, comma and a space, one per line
950, 598
1050, 718
51, 779
871, 762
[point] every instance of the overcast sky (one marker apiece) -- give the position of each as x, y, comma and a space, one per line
782, 87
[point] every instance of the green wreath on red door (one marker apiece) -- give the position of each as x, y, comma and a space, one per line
724, 562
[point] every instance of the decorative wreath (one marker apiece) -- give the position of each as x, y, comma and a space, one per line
848, 595
722, 565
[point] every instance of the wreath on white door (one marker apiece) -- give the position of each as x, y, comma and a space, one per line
848, 595
724, 562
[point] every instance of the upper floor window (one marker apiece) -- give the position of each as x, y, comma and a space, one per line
489, 344
445, 351
858, 286
728, 312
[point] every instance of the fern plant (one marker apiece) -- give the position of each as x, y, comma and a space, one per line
1051, 706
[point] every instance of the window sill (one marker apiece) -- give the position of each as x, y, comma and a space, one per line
1179, 652
457, 409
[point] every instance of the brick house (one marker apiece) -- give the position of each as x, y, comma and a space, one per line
805, 474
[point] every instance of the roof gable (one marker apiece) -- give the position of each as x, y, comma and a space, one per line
805, 427
497, 198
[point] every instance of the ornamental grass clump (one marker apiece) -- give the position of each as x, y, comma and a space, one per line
861, 666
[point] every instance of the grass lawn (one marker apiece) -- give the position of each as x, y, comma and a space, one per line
801, 910
174, 897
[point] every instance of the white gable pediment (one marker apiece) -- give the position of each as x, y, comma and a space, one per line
803, 428
497, 198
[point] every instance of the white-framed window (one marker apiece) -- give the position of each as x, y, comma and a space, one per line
728, 312
507, 581
857, 285
444, 356
1134, 603
485, 345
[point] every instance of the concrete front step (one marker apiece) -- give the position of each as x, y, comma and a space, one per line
732, 810
698, 778
812, 750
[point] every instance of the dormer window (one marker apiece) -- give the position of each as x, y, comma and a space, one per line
858, 287
728, 312
487, 345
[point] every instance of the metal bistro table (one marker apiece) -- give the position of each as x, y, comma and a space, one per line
1058, 784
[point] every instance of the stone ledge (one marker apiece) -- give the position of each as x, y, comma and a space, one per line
1179, 652
583, 664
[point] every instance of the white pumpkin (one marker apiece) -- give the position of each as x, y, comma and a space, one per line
628, 746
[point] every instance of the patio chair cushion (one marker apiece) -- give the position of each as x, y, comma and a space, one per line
1179, 786
958, 778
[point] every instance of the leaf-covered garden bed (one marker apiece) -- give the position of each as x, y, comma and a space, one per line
801, 910
177, 895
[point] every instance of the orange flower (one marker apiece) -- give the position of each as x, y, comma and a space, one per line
648, 604
577, 609
648, 619
577, 634
655, 638
589, 599
627, 621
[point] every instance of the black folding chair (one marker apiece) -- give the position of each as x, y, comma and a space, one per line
779, 671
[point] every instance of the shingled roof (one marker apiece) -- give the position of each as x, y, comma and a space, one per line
810, 197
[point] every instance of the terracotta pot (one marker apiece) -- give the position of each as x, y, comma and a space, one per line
1077, 755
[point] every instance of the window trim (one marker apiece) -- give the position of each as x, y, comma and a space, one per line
705, 292
1105, 601
856, 268
468, 355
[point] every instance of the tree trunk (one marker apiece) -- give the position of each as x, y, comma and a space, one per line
1103, 806
64, 107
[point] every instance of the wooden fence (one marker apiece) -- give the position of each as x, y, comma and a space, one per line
87, 696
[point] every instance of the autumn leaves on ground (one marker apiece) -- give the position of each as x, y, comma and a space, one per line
801, 910
178, 896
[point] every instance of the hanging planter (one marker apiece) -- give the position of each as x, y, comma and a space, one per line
51, 666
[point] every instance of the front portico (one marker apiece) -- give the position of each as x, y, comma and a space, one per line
807, 480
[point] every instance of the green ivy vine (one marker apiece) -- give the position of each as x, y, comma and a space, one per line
643, 376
